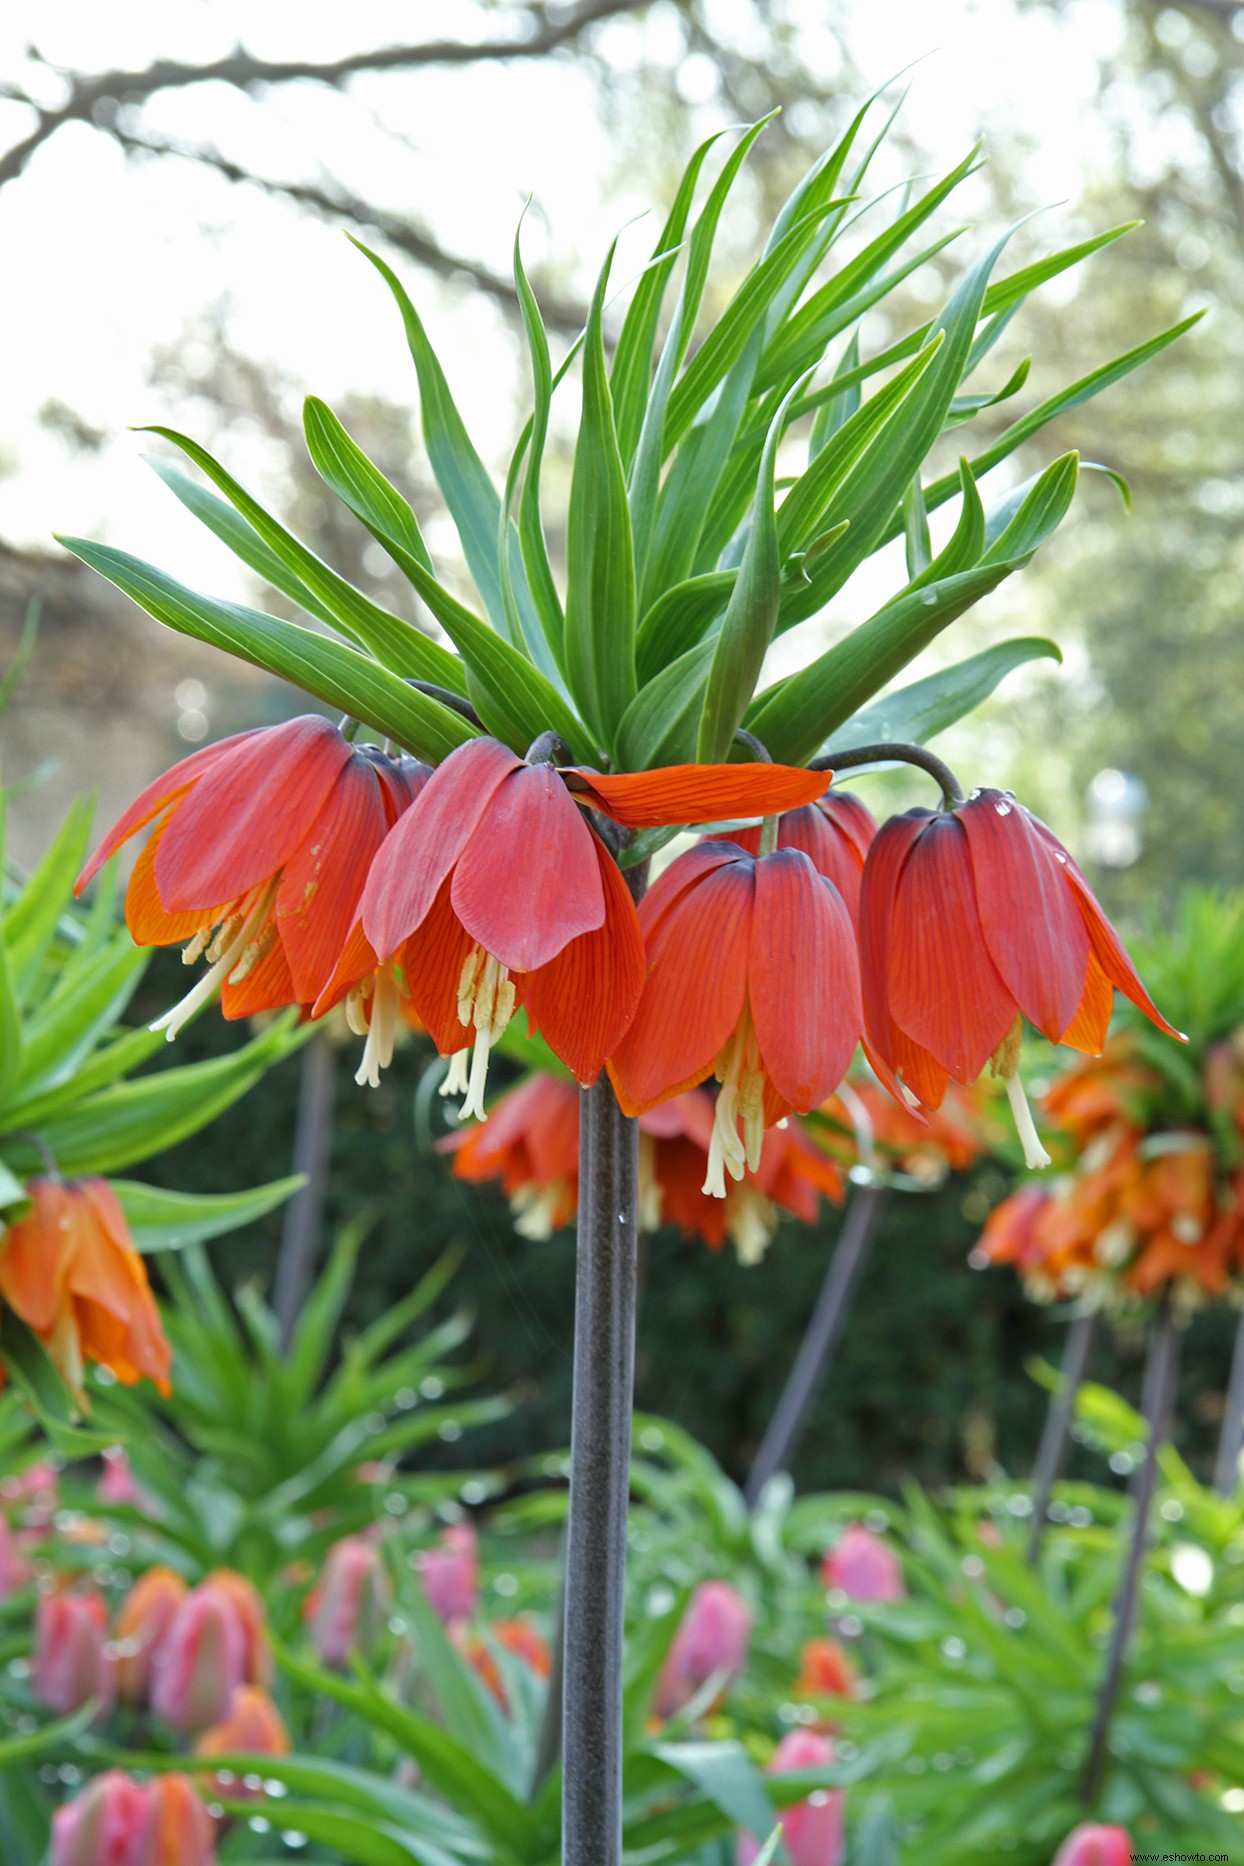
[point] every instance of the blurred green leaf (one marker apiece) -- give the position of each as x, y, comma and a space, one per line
162, 1220
918, 712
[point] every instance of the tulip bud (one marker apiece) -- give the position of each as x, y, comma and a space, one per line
350, 1602
1091, 1845
201, 1660
142, 1624
249, 1608
109, 1824
72, 1663
812, 1831
862, 1566
118, 1484
14, 1572
254, 1727
450, 1573
712, 1639
184, 1832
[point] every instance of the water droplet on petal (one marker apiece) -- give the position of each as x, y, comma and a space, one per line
1003, 809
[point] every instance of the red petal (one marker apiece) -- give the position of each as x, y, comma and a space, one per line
1087, 1030
923, 1075
528, 881
1033, 928
268, 987
831, 852
944, 991
689, 1115
323, 880
427, 840
431, 961
583, 1000
401, 780
693, 998
145, 917
30, 1262
685, 871
802, 979
150, 802
355, 962
882, 873
248, 813
697, 793
1108, 947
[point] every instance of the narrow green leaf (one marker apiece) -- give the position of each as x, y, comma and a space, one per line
396, 644
473, 501
31, 923
31, 1370
87, 1001
342, 464
631, 376
919, 711
600, 566
533, 545
916, 529
795, 716
679, 619
127, 1052
334, 673
21, 659
751, 613
162, 1220
512, 697
661, 724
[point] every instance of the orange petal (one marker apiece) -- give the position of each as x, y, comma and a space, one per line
355, 962
145, 915
322, 882
268, 986
165, 789
1087, 1030
693, 998
697, 793
802, 979
432, 961
31, 1254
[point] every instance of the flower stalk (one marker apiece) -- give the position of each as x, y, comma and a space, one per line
1053, 1447
600, 1452
896, 753
820, 1341
1231, 1439
1160, 1376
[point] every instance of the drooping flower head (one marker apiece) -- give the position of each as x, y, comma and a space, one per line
835, 833
530, 1142
752, 976
257, 858
69, 1269
972, 918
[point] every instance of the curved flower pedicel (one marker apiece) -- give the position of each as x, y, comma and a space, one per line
260, 848
70, 1270
752, 976
972, 918
493, 891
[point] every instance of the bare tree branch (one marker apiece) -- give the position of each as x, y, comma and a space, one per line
558, 313
88, 96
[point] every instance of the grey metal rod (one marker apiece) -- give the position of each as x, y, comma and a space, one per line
816, 1350
1053, 1447
1160, 1377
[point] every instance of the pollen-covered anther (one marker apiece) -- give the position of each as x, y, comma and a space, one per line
230, 926
256, 952
742, 1098
241, 929
486, 1001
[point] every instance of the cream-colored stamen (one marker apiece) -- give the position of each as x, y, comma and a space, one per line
254, 954
751, 1220
742, 1098
381, 1028
249, 924
1035, 1155
486, 999
191, 954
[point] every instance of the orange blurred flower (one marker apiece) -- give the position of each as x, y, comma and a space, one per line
69, 1269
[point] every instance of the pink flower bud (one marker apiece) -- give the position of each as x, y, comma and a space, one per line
348, 1606
109, 1824
812, 1831
862, 1566
72, 1663
200, 1662
142, 1624
1091, 1845
712, 1639
14, 1572
184, 1832
249, 1608
35, 1491
450, 1573
118, 1483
